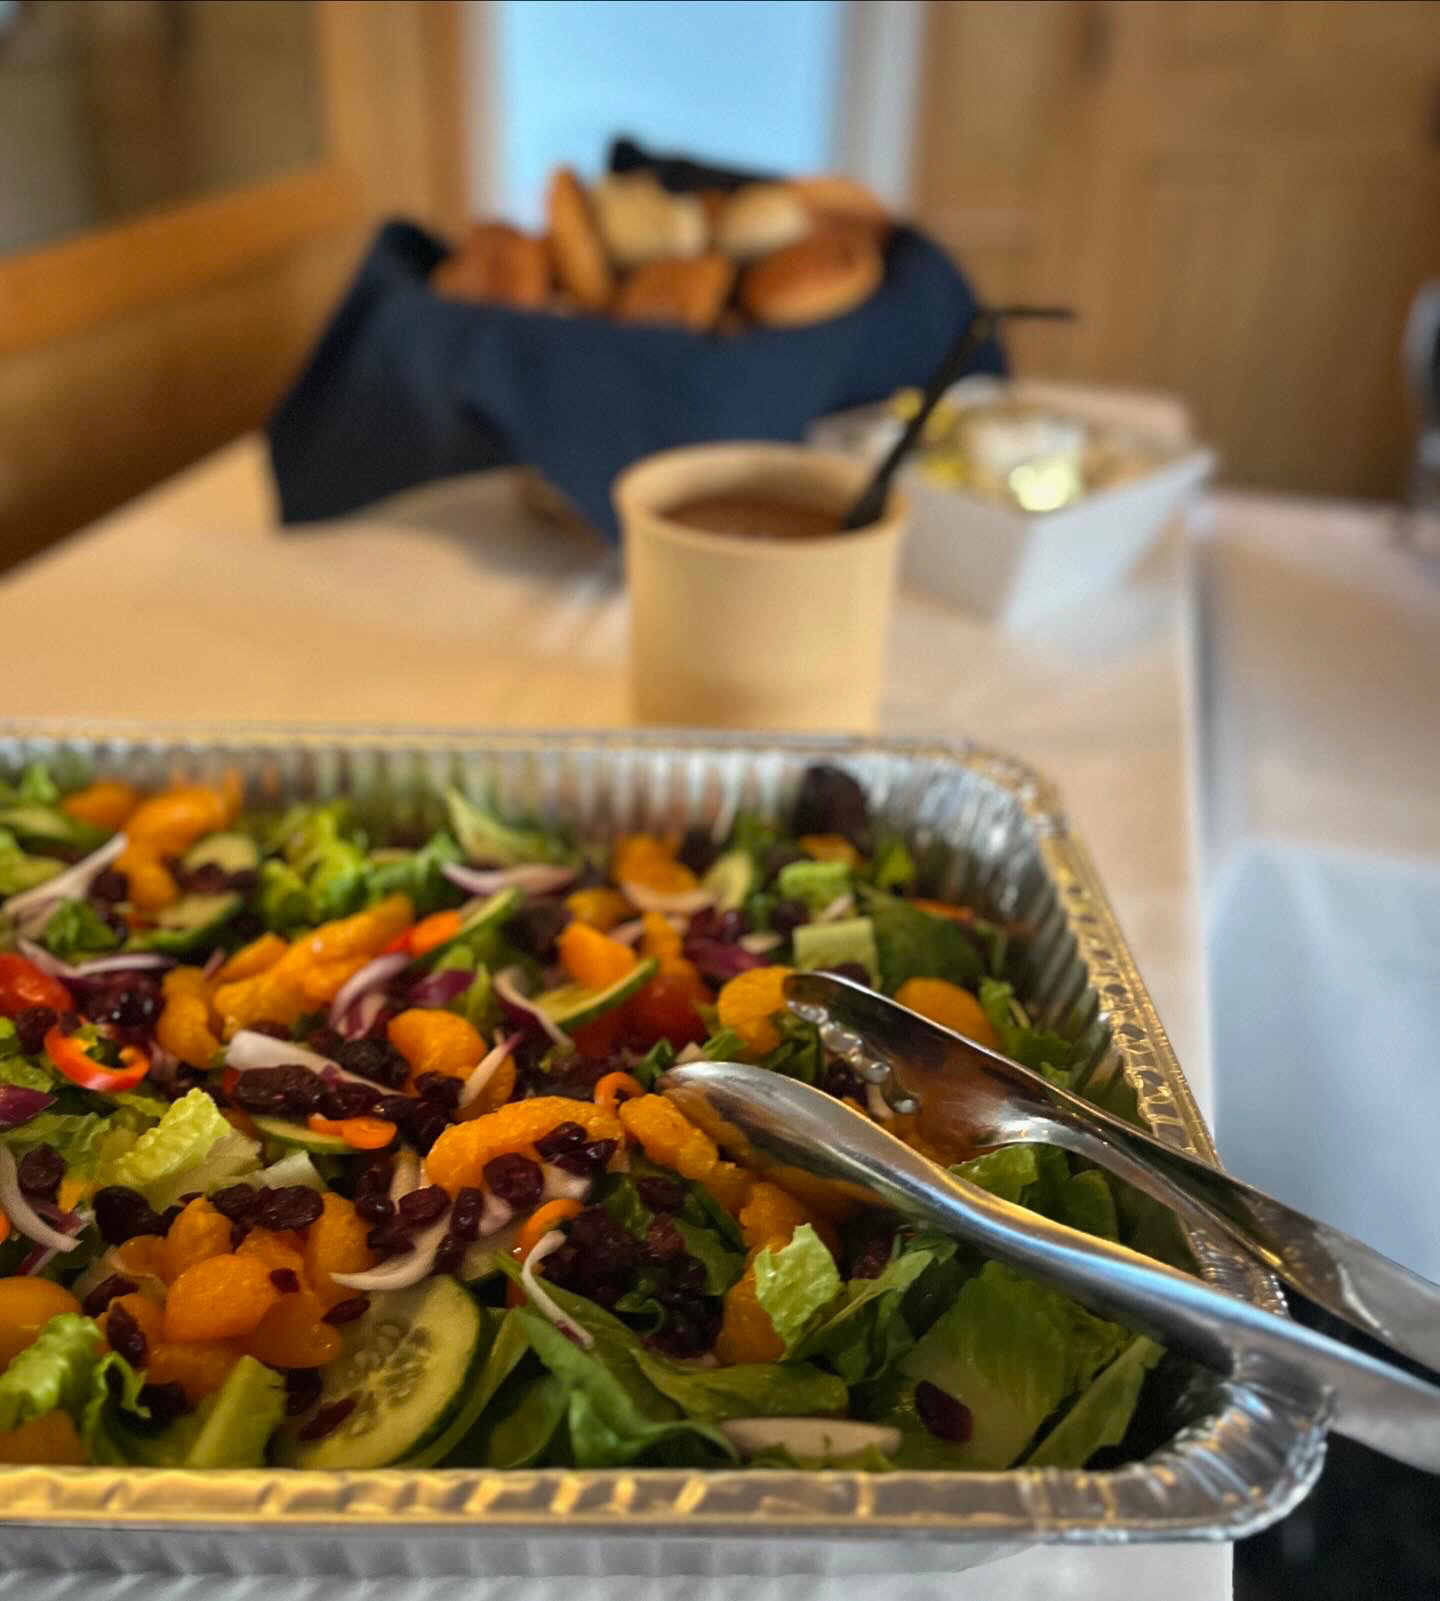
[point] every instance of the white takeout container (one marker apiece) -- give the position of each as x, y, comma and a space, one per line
1015, 567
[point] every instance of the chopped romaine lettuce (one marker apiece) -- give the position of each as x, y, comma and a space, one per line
799, 1053
866, 1332
817, 884
1041, 1049
893, 866
796, 1284
191, 1148
55, 1371
21, 871
1008, 1172
912, 943
851, 939
747, 1390
75, 930
484, 838
417, 874
1102, 1412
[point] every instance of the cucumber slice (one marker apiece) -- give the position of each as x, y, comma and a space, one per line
490, 915
231, 853
730, 880
830, 944
409, 1363
33, 824
242, 1416
296, 1137
572, 1005
192, 922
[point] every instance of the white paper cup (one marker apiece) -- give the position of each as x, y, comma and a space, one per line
732, 631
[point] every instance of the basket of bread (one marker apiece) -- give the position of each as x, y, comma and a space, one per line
663, 304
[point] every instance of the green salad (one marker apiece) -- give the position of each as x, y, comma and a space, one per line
323, 1150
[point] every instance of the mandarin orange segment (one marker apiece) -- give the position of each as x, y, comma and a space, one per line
601, 907
730, 1184
49, 1441
668, 1136
950, 1006
436, 1042
170, 822
294, 1334
365, 933
749, 1001
104, 804
746, 1332
220, 1298
152, 886
199, 1232
142, 1257
660, 938
829, 848
147, 1316
278, 1250
459, 1156
335, 1243
199, 1368
770, 1216
593, 959
257, 957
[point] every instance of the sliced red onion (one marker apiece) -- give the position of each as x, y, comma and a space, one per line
841, 906
43, 1255
495, 1215
627, 933
214, 962
543, 1247
124, 962
718, 961
531, 878
686, 902
163, 1067
24, 1216
400, 1272
361, 1017
18, 1106
439, 989
810, 1437
512, 998
406, 1175
760, 944
29, 909
563, 1186
487, 1067
374, 975
250, 1050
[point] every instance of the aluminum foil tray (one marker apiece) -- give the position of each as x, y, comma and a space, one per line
1231, 1457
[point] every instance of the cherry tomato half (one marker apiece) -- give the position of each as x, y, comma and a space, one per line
23, 986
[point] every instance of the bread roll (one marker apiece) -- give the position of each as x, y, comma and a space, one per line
833, 195
821, 277
642, 222
496, 264
761, 217
581, 264
684, 294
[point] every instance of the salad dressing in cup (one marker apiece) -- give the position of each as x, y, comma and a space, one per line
747, 609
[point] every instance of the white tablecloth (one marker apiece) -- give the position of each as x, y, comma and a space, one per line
452, 607
1321, 726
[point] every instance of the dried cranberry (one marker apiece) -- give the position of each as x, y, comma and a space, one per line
536, 926
563, 1137
276, 1031
875, 1257
590, 1158
426, 1126
842, 1081
292, 1206
168, 1216
285, 1279
465, 1217
110, 885
41, 1171
302, 1390
449, 1253
698, 851
207, 879
324, 1040
397, 1109
662, 1241
390, 1240
328, 1419
421, 1207
122, 1214
236, 1201
660, 1194
262, 1090
164, 1402
348, 1100
371, 1208
136, 1004
32, 1025
356, 1306
125, 1335
439, 1089
787, 915
375, 1059
831, 801
106, 1291
687, 1276
243, 881
946, 1417
514, 1179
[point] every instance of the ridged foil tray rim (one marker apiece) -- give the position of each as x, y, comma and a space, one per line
1236, 1471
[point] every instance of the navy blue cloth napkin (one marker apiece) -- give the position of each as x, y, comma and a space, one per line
405, 386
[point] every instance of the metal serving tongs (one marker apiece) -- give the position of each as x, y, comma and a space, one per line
974, 1098
806, 1138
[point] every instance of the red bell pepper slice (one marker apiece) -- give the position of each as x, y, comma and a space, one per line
75, 1062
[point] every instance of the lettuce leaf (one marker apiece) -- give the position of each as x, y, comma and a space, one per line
1007, 1172
723, 1266
1042, 1050
1013, 1351
417, 874
1102, 1412
527, 1416
484, 838
21, 871
75, 930
57, 1370
867, 1333
816, 884
191, 1147
82, 1140
229, 1429
35, 787
911, 943
747, 1390
799, 1054
796, 1283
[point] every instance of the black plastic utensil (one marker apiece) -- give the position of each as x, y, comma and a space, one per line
982, 322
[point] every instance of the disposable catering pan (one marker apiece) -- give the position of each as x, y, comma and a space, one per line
1228, 1457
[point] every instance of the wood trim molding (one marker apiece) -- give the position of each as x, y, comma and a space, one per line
82, 283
